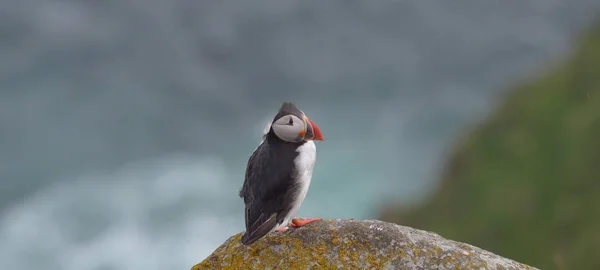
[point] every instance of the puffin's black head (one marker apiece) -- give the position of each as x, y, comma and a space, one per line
292, 125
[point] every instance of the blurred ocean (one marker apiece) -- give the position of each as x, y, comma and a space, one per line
126, 125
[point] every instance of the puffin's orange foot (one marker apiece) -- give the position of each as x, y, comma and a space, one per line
299, 223
282, 229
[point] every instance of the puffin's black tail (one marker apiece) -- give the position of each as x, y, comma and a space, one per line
246, 240
250, 236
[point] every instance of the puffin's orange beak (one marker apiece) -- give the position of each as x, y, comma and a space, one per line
316, 132
317, 136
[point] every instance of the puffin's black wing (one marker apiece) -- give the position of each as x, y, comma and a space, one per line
267, 188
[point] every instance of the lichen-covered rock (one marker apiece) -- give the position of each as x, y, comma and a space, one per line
353, 244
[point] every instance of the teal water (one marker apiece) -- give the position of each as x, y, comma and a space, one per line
126, 125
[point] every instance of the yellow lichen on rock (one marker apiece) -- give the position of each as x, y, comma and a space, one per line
352, 244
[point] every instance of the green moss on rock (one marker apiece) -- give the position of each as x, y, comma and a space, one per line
352, 244
525, 184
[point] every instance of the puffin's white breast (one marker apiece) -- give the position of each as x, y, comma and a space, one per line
305, 162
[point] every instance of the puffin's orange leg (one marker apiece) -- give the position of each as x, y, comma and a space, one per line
299, 223
283, 229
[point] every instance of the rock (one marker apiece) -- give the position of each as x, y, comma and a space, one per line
353, 244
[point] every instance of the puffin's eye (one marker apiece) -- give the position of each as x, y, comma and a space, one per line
291, 121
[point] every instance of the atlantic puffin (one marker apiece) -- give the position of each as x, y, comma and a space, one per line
278, 174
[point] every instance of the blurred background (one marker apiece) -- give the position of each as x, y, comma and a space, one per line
126, 125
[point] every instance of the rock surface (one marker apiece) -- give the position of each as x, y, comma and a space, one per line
353, 244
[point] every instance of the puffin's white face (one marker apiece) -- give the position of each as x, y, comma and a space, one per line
291, 128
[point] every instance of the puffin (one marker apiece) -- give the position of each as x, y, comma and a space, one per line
278, 174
